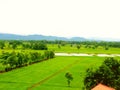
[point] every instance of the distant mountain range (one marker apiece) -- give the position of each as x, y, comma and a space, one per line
5, 36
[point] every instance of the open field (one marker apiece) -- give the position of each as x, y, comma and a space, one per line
26, 77
68, 49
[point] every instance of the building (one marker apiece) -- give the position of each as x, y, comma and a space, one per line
102, 87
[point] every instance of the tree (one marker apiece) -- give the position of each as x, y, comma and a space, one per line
106, 48
52, 54
69, 78
48, 54
39, 46
63, 43
71, 45
108, 74
78, 46
7, 45
20, 59
15, 43
12, 60
59, 46
1, 44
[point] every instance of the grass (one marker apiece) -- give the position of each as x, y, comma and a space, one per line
78, 70
68, 49
22, 78
25, 77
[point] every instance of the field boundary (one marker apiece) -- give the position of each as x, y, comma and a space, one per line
54, 74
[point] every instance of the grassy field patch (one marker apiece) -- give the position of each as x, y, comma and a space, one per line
22, 78
69, 49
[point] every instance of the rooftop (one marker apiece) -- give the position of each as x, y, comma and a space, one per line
102, 87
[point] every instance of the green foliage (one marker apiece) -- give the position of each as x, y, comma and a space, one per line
49, 54
12, 61
59, 46
69, 77
19, 59
1, 44
39, 46
14, 44
106, 48
108, 74
62, 46
71, 45
63, 43
78, 46
22, 78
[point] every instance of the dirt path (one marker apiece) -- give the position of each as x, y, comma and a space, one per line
54, 74
85, 54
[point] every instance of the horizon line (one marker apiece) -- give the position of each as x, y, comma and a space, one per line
92, 37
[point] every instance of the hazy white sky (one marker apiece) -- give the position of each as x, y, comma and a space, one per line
84, 18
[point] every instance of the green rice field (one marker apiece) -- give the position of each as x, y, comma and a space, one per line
50, 74
68, 49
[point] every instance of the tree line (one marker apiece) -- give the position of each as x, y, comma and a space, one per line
12, 60
18, 44
42, 44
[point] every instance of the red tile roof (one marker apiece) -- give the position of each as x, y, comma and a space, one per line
102, 87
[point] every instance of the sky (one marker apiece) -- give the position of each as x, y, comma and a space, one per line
65, 18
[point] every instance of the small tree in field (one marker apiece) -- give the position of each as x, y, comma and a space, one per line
106, 48
69, 78
78, 47
59, 46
